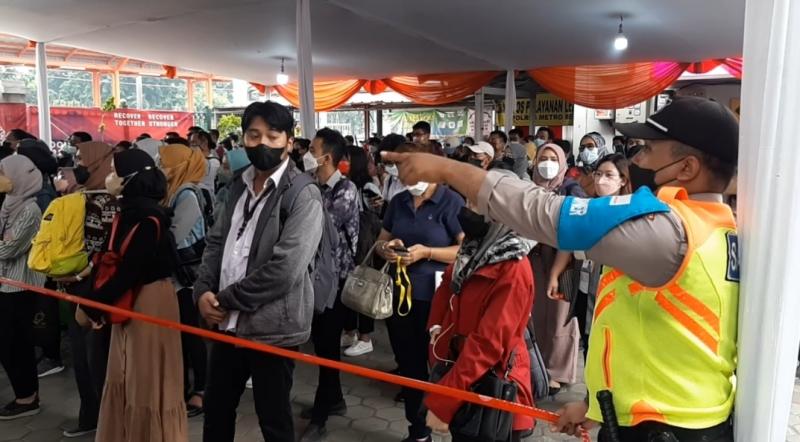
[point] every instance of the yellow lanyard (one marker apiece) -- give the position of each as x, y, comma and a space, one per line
405, 293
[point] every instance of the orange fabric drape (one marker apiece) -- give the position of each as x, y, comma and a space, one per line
262, 89
731, 64
439, 89
328, 95
609, 86
170, 71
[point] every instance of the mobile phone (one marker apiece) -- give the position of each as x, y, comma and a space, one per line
400, 250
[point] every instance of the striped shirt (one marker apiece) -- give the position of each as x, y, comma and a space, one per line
15, 245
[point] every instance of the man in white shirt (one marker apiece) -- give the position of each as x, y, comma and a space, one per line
254, 280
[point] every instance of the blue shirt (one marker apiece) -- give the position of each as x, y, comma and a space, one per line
434, 224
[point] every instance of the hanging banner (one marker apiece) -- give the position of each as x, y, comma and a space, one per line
110, 127
522, 114
443, 122
553, 111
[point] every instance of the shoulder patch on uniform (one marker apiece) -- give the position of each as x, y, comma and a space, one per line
732, 272
579, 207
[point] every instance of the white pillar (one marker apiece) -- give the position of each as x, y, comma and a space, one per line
511, 99
478, 135
240, 96
140, 93
769, 220
305, 72
42, 99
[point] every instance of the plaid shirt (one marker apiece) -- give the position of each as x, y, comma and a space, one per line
341, 202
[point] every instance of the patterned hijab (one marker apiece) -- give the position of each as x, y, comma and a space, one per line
26, 181
555, 183
182, 165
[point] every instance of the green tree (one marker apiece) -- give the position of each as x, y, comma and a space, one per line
229, 124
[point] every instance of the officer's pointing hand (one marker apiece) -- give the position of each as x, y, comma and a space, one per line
416, 167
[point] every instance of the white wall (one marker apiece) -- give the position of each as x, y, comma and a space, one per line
585, 122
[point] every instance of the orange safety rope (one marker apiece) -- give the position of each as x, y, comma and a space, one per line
357, 370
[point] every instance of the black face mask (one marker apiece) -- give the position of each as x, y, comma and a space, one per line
264, 157
646, 177
473, 224
81, 174
476, 162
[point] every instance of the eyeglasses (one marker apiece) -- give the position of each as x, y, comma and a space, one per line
598, 174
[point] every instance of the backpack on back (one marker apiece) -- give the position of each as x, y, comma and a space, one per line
59, 247
324, 269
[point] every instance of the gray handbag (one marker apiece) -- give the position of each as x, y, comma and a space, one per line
369, 291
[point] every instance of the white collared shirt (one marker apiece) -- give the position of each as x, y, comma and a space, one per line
237, 251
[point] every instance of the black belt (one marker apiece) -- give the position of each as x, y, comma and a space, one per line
660, 432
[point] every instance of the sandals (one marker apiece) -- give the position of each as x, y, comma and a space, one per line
194, 410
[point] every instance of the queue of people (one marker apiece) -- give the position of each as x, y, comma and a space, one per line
257, 241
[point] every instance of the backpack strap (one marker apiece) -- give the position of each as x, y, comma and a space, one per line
296, 185
129, 238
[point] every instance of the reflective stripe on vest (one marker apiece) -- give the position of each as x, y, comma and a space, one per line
668, 354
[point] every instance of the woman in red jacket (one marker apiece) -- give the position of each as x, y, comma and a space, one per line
484, 302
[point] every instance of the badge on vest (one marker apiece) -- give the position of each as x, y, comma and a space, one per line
732, 273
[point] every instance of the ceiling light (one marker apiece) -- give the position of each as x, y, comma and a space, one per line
621, 42
282, 78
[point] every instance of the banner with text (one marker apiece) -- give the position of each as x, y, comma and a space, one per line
551, 110
443, 122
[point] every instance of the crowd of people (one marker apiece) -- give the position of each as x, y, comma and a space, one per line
256, 236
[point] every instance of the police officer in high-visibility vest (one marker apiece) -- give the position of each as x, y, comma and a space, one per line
662, 353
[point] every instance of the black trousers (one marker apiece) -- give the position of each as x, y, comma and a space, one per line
17, 354
356, 321
657, 432
89, 360
410, 338
326, 332
229, 369
47, 324
195, 356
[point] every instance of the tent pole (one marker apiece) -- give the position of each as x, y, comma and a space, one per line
379, 122
43, 100
511, 100
769, 220
304, 68
478, 135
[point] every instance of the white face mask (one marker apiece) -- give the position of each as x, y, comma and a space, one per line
590, 155
309, 162
392, 170
539, 142
607, 186
419, 188
548, 169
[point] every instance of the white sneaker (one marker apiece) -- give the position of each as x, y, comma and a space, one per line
348, 340
249, 383
359, 348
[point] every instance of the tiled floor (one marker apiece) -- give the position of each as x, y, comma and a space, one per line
372, 415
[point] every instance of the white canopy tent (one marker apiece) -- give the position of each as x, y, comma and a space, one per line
246, 39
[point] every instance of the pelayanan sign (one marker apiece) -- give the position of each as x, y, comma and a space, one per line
548, 110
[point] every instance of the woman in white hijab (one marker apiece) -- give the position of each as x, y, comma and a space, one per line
20, 216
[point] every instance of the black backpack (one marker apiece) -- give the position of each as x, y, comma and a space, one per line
369, 227
324, 269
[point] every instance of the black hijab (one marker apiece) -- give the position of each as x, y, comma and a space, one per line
145, 184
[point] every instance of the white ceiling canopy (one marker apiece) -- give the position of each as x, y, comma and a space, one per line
373, 39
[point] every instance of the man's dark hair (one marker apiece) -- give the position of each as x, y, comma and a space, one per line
515, 133
214, 133
391, 142
423, 126
359, 166
194, 129
207, 136
305, 143
19, 135
177, 140
721, 171
82, 137
619, 138
171, 135
413, 148
469, 141
143, 136
125, 145
350, 140
234, 137
333, 143
275, 115
374, 141
546, 129
500, 134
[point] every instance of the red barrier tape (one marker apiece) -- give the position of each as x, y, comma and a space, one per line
357, 370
